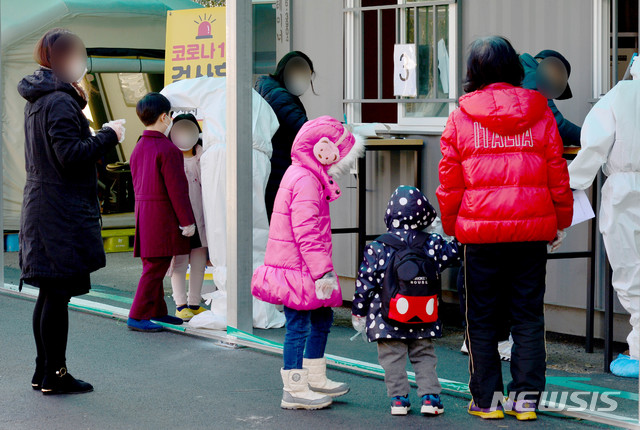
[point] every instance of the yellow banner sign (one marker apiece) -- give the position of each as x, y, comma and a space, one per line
195, 44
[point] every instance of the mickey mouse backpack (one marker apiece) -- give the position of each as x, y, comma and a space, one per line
411, 283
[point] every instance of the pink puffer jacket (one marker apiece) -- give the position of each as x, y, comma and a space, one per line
299, 246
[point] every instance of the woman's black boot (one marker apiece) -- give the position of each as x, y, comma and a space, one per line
62, 382
38, 375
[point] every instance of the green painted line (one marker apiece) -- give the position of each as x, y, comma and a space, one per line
572, 382
89, 308
112, 297
170, 326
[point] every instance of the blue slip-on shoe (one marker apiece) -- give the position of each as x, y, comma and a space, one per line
143, 325
625, 366
432, 405
168, 319
400, 405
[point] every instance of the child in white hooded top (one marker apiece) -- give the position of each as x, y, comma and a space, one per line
185, 134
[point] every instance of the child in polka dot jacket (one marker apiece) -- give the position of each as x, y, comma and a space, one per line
407, 214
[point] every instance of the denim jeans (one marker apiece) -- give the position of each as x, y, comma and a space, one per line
306, 334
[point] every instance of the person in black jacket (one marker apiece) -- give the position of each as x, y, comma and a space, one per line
282, 90
60, 237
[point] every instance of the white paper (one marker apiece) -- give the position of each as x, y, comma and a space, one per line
443, 65
404, 70
582, 210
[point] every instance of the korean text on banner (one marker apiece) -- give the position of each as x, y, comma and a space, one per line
195, 44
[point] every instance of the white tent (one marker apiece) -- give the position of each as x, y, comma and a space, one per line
138, 24
207, 96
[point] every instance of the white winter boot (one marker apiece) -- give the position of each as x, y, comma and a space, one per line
296, 393
318, 380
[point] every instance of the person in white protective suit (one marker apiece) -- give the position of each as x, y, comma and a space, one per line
208, 97
611, 139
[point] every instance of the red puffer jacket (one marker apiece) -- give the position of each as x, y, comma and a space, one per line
502, 176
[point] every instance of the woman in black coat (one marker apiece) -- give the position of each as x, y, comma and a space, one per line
282, 90
60, 237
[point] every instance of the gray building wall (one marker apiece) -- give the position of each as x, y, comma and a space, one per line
317, 31
531, 26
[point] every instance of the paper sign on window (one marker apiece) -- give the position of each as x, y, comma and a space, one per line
405, 70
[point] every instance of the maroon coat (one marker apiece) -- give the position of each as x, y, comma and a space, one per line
162, 197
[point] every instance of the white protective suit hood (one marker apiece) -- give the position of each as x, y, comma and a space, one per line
208, 96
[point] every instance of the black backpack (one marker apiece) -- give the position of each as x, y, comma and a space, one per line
411, 283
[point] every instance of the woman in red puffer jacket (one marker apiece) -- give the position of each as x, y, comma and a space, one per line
505, 194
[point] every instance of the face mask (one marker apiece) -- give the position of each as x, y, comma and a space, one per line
76, 71
298, 85
184, 142
83, 75
166, 132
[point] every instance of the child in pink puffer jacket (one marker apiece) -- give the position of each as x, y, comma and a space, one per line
298, 271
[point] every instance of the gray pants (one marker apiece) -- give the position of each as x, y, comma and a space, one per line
392, 356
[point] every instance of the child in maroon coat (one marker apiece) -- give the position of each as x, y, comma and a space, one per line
164, 218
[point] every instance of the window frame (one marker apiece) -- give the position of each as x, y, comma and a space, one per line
353, 61
403, 119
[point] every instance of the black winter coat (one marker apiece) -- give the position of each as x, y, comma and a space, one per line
60, 226
291, 116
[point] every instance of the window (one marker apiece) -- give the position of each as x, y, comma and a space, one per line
372, 28
264, 37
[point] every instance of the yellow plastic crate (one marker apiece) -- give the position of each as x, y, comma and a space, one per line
118, 240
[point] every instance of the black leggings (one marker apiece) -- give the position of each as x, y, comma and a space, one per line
50, 329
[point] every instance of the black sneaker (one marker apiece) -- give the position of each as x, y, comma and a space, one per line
63, 383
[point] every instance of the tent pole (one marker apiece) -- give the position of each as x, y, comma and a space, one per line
239, 165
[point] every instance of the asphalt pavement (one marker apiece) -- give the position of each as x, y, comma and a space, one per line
173, 381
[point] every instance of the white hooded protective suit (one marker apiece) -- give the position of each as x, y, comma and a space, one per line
208, 96
611, 139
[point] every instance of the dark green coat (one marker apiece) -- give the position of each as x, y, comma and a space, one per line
569, 132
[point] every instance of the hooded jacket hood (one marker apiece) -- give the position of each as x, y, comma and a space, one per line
409, 209
504, 109
311, 133
44, 81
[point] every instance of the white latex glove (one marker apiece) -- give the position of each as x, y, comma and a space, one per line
436, 227
189, 230
555, 243
117, 126
359, 323
326, 285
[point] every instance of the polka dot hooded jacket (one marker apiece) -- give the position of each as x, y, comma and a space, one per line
408, 212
